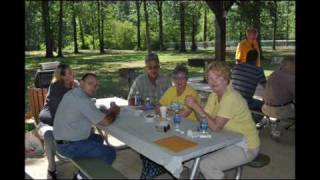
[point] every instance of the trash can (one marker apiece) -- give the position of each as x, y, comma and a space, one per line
44, 75
43, 78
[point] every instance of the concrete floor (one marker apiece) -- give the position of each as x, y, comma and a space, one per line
281, 153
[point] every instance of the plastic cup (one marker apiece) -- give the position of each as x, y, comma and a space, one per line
163, 112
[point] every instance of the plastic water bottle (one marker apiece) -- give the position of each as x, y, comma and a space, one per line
203, 125
177, 120
148, 106
137, 99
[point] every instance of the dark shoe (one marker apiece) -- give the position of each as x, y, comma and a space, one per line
262, 123
52, 175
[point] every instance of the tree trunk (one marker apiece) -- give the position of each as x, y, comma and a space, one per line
159, 5
205, 45
60, 30
257, 24
93, 32
100, 28
147, 25
287, 29
138, 4
220, 9
74, 23
83, 43
220, 38
193, 35
47, 29
275, 14
182, 31
93, 42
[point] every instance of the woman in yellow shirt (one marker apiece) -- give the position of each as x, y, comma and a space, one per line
226, 110
178, 93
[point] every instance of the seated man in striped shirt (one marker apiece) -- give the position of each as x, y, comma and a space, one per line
245, 78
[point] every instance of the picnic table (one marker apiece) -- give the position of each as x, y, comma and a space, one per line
132, 129
201, 62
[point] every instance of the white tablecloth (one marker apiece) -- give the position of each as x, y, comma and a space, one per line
106, 101
134, 131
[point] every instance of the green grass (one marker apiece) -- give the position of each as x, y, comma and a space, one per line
107, 65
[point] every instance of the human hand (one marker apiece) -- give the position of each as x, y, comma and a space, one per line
190, 101
114, 110
171, 113
157, 109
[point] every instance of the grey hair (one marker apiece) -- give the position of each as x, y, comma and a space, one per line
151, 57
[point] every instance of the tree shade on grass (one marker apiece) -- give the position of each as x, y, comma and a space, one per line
107, 65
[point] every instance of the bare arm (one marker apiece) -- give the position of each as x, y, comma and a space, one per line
107, 120
215, 123
185, 112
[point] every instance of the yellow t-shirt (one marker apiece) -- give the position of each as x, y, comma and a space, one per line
234, 107
171, 96
243, 48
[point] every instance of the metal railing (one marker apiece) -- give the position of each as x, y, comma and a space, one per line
230, 44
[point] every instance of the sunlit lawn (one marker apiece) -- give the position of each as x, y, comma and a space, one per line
107, 65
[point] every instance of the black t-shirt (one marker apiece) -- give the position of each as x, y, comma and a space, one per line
55, 94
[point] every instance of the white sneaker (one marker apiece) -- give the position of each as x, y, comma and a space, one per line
79, 176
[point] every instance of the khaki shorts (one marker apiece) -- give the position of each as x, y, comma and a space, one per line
43, 128
282, 112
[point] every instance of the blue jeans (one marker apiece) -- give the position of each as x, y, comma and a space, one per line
256, 105
91, 147
150, 169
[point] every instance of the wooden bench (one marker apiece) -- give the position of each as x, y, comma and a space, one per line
94, 168
37, 97
201, 62
129, 74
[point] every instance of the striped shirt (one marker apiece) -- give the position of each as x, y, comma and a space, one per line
146, 89
245, 78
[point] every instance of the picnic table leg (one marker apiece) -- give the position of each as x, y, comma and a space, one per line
104, 136
195, 168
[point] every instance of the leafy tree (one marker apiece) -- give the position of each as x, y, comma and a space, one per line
159, 8
34, 31
182, 27
74, 23
168, 21
100, 27
138, 5
147, 26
